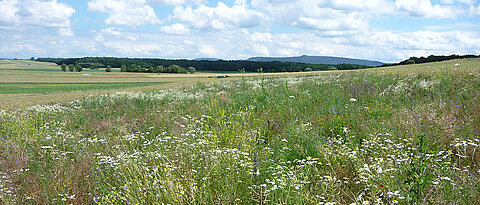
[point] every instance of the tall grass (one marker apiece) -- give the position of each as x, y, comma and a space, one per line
338, 138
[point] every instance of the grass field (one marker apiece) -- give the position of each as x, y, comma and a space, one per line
395, 135
27, 83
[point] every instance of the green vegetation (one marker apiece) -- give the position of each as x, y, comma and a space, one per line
406, 135
71, 67
152, 65
319, 60
44, 88
432, 58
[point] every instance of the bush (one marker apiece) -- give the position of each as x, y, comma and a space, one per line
108, 69
307, 69
191, 70
78, 68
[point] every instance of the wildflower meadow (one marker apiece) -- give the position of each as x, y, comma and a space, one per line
354, 137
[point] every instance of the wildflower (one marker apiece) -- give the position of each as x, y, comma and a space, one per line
446, 178
381, 185
353, 100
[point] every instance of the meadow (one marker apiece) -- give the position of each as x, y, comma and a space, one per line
393, 135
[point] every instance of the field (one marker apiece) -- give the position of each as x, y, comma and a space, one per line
27, 83
394, 135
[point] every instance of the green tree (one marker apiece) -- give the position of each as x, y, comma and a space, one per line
123, 68
307, 69
175, 69
71, 67
108, 69
64, 67
160, 69
78, 68
411, 61
191, 70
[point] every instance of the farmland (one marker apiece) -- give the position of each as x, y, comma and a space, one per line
403, 134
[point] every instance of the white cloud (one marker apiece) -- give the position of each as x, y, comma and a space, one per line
261, 37
467, 2
65, 31
125, 12
334, 21
99, 38
176, 2
112, 31
475, 11
424, 9
24, 14
16, 47
220, 17
131, 38
8, 10
207, 51
325, 15
46, 13
175, 29
260, 49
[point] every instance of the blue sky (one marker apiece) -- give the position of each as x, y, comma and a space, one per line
384, 30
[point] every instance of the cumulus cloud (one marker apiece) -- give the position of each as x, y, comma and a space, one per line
261, 37
260, 49
175, 29
112, 31
207, 51
8, 9
424, 9
220, 17
176, 2
19, 14
475, 11
326, 15
125, 12
467, 2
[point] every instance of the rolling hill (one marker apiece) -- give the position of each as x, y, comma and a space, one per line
319, 60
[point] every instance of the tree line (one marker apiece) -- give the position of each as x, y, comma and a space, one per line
182, 65
431, 58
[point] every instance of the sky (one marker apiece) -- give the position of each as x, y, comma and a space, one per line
383, 30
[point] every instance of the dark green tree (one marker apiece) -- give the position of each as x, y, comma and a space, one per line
64, 67
108, 69
71, 67
78, 68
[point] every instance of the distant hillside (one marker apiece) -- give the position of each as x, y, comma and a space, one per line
319, 60
207, 59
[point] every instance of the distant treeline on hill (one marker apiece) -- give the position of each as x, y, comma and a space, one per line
151, 65
432, 58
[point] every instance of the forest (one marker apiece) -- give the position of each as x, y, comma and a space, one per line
159, 65
432, 58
